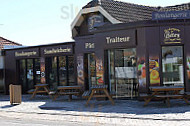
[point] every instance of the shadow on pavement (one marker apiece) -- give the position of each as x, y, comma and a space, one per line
9, 106
121, 106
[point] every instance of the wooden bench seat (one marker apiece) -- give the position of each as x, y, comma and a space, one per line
147, 98
112, 93
31, 91
86, 94
169, 96
39, 91
52, 92
69, 93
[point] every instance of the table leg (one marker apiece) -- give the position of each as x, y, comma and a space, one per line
47, 90
186, 100
56, 95
91, 95
34, 93
70, 97
106, 92
168, 101
147, 100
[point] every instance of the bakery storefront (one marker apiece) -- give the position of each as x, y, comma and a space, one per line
52, 64
132, 51
131, 57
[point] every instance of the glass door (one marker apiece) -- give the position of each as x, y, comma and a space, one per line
30, 74
123, 72
62, 71
52, 72
22, 74
172, 66
37, 72
71, 73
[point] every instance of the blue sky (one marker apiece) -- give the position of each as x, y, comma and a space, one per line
36, 22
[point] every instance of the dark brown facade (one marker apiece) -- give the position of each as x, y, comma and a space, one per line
127, 57
161, 56
28, 66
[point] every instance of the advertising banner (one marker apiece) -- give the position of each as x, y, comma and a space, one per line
99, 71
154, 71
141, 66
80, 69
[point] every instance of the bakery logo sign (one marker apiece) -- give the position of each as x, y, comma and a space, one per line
172, 35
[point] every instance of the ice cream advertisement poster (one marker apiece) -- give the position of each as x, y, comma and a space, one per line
141, 72
154, 71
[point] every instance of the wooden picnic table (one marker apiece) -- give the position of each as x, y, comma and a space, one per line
95, 92
68, 90
38, 87
166, 93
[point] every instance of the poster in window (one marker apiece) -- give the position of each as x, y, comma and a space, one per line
42, 69
141, 66
80, 70
99, 72
154, 71
188, 68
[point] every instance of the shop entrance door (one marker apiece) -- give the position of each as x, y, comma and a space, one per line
90, 70
172, 66
29, 73
122, 73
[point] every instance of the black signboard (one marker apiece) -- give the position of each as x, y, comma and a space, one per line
57, 50
117, 39
172, 35
27, 53
169, 15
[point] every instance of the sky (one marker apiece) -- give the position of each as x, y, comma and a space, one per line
39, 22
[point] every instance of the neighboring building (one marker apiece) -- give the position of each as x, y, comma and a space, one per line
4, 44
126, 46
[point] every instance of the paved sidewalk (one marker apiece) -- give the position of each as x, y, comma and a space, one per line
124, 112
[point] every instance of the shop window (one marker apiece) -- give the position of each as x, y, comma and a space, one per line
172, 65
60, 71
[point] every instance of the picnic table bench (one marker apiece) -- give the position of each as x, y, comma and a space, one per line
38, 88
67, 90
165, 93
98, 91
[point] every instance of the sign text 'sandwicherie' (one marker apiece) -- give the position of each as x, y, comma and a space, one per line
58, 50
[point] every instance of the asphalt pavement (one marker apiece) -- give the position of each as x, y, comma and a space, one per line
124, 112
